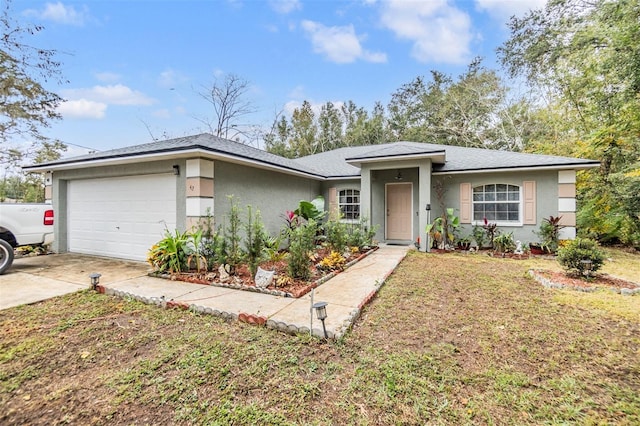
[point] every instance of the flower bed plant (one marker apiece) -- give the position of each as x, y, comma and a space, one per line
306, 252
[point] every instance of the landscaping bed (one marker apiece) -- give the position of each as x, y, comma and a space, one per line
556, 279
288, 287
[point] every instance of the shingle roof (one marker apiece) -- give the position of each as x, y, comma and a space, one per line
333, 164
458, 159
204, 141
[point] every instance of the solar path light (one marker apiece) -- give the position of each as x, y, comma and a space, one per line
321, 313
95, 279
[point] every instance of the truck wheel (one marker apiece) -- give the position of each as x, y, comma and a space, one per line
6, 256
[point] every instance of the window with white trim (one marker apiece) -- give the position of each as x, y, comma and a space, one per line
497, 203
349, 203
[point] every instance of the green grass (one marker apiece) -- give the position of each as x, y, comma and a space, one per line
450, 339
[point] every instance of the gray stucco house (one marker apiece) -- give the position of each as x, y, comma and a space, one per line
118, 203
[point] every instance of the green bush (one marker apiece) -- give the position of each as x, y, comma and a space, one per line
360, 235
571, 256
302, 243
169, 254
336, 233
504, 243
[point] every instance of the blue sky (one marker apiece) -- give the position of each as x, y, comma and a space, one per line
135, 67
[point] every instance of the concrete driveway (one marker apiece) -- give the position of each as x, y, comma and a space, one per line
33, 279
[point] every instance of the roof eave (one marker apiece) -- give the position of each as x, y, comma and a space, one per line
571, 166
169, 154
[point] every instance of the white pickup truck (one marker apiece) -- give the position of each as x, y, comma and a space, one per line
23, 225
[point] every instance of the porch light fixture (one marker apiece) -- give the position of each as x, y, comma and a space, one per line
176, 170
95, 279
321, 313
399, 175
587, 265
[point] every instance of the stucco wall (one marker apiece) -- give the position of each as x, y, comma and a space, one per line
546, 197
270, 192
60, 179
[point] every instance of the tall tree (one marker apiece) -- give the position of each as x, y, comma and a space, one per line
329, 128
303, 131
227, 97
26, 106
465, 112
586, 57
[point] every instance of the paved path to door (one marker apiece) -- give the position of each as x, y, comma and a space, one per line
38, 278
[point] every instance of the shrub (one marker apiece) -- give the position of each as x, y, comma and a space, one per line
336, 233
479, 235
360, 235
549, 232
572, 255
301, 244
504, 243
169, 253
334, 262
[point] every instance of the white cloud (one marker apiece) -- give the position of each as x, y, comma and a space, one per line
82, 108
169, 78
439, 32
504, 9
115, 94
61, 14
339, 44
108, 77
285, 6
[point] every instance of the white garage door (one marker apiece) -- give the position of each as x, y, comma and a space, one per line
120, 217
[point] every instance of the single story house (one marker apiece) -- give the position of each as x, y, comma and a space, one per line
118, 203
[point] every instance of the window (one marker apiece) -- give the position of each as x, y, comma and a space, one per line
349, 203
496, 203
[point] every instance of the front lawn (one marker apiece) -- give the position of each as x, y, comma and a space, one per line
450, 339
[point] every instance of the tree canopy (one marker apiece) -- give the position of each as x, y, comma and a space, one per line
585, 57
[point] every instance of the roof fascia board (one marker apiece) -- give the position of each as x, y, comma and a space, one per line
520, 169
401, 157
347, 177
166, 155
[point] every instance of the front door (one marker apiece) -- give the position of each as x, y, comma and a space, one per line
399, 208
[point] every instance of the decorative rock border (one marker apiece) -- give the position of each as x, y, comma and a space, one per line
552, 284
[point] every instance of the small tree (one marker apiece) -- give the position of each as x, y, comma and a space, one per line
232, 237
255, 238
581, 256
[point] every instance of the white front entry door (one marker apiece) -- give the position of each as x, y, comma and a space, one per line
121, 216
399, 202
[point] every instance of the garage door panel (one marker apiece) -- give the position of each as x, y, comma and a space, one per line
120, 217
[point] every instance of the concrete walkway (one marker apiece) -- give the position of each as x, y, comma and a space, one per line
346, 294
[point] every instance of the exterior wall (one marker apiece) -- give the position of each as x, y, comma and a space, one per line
547, 188
270, 192
59, 191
